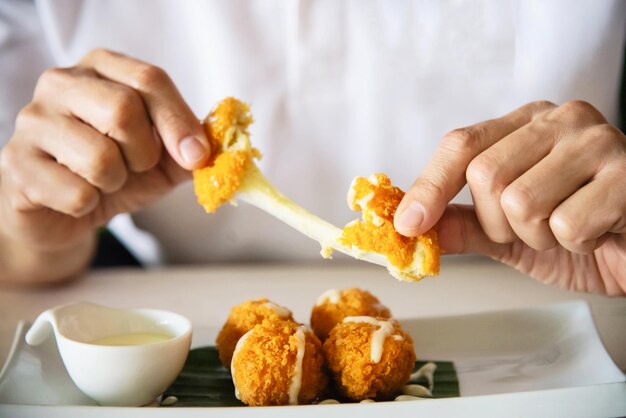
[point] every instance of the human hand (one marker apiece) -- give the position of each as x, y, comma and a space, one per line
549, 190
89, 146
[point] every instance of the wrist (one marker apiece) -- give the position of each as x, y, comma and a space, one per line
22, 264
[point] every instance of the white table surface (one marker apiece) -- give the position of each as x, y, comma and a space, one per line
205, 294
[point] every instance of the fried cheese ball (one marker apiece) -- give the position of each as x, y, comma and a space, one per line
227, 130
334, 305
410, 258
278, 363
231, 174
242, 319
369, 358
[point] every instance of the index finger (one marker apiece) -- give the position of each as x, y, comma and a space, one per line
444, 176
180, 130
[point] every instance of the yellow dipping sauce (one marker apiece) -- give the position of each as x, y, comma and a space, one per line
138, 338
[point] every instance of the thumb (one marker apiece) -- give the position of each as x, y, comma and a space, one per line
444, 176
460, 232
422, 206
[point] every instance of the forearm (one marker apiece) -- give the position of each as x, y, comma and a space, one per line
24, 265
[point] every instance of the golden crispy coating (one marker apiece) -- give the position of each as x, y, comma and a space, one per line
242, 319
218, 182
231, 169
356, 376
378, 200
228, 113
375, 197
351, 302
265, 365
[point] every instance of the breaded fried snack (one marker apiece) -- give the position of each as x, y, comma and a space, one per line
369, 358
231, 174
334, 305
242, 319
410, 259
278, 363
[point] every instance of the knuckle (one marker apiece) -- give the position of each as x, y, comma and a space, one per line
124, 109
96, 53
578, 112
543, 104
17, 202
482, 172
462, 140
517, 203
565, 228
54, 74
5, 161
540, 107
102, 161
148, 160
150, 77
51, 80
28, 116
10, 164
80, 200
604, 137
577, 107
19, 186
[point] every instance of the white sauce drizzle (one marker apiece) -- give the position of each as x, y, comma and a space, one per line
410, 392
385, 329
169, 401
428, 372
240, 343
401, 398
377, 220
296, 380
352, 195
416, 390
373, 179
282, 312
363, 202
331, 295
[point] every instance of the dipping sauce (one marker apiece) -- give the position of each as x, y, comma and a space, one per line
138, 338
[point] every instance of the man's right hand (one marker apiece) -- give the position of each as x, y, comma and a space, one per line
90, 146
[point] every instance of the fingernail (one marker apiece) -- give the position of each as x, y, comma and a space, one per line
411, 217
192, 150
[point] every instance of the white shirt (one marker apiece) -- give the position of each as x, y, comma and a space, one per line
337, 88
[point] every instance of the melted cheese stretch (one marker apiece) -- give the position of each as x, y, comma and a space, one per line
232, 173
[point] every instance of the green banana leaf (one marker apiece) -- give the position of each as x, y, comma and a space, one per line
204, 382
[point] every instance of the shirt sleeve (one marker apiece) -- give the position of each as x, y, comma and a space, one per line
25, 55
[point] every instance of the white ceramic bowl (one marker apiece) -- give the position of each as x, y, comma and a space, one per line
129, 375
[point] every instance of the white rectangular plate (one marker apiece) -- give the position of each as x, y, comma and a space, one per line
505, 352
